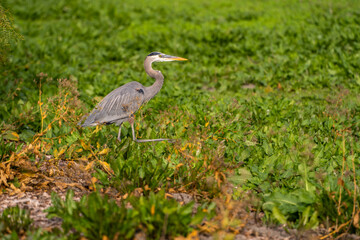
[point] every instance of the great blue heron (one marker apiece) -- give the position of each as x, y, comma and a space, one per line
121, 104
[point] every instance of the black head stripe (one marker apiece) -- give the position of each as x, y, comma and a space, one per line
154, 53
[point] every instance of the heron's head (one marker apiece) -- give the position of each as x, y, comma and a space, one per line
161, 57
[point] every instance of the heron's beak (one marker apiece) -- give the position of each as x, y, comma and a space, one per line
179, 59
174, 58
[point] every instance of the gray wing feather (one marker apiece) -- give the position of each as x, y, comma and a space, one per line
118, 105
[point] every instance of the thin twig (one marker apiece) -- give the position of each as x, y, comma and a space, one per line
336, 230
342, 171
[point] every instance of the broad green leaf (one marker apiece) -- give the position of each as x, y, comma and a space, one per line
278, 215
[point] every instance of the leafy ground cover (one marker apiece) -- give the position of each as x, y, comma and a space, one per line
265, 113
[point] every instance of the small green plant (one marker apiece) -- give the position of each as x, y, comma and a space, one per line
160, 217
96, 217
6, 149
14, 221
291, 208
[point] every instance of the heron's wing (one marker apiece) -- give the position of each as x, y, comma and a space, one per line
120, 104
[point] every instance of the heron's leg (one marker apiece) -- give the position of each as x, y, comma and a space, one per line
147, 140
119, 134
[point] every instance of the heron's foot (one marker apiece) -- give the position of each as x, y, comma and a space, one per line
146, 140
154, 140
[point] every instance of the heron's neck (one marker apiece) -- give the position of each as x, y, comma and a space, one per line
157, 75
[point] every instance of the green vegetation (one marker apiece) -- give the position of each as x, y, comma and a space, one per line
269, 102
14, 221
8, 35
95, 216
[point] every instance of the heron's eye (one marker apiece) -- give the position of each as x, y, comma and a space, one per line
160, 55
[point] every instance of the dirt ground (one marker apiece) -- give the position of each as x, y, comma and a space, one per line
37, 197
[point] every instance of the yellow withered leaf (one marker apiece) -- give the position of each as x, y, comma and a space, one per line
56, 153
153, 210
168, 195
138, 190
191, 236
104, 151
44, 184
59, 153
206, 124
3, 178
93, 180
186, 145
28, 174
84, 145
13, 136
179, 165
97, 129
13, 187
105, 237
106, 166
61, 185
89, 166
